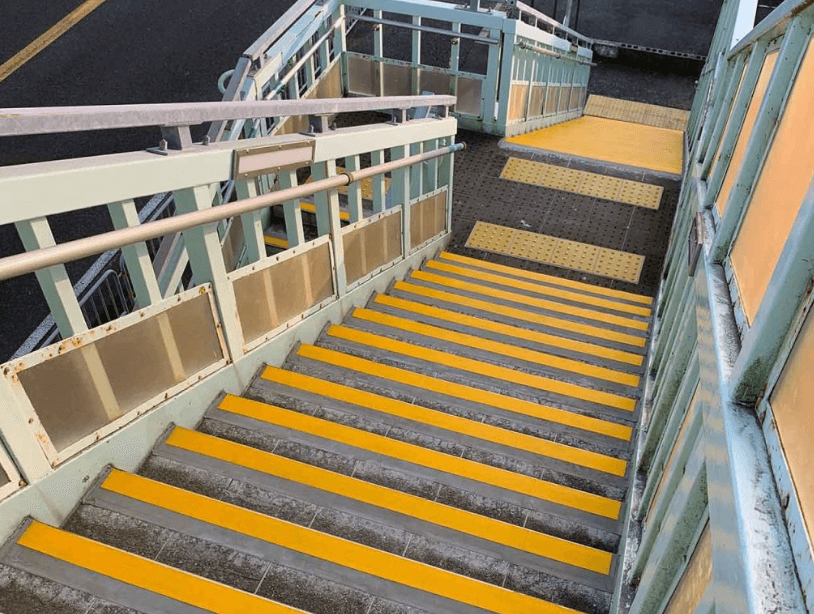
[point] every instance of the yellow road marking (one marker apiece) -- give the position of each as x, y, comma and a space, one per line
447, 315
145, 574
467, 393
329, 548
538, 289
498, 347
530, 301
439, 461
549, 279
403, 503
53, 33
448, 422
482, 368
512, 312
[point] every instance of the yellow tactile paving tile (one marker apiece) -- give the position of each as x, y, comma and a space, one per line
637, 112
446, 315
424, 457
547, 279
336, 550
455, 361
498, 347
467, 393
563, 253
517, 284
447, 422
582, 182
512, 312
397, 501
143, 573
609, 140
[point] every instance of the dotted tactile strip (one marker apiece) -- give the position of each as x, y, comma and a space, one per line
563, 253
582, 182
637, 112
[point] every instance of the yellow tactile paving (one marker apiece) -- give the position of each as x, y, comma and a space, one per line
589, 349
448, 422
143, 573
326, 547
637, 112
558, 252
582, 182
548, 279
424, 457
403, 503
609, 140
467, 393
506, 374
498, 347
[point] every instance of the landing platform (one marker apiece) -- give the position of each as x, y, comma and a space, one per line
607, 140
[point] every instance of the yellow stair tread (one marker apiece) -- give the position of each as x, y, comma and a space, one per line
498, 347
549, 279
403, 503
530, 301
463, 363
513, 312
448, 422
311, 208
324, 546
145, 574
439, 461
467, 393
275, 241
588, 349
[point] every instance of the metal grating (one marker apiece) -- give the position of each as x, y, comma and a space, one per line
582, 182
558, 252
637, 112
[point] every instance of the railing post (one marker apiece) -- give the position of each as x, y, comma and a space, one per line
489, 89
378, 51
445, 171
352, 163
292, 211
506, 74
416, 57
400, 189
416, 175
20, 439
430, 175
379, 187
252, 222
454, 60
206, 257
328, 221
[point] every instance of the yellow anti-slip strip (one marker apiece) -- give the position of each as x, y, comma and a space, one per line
145, 574
529, 301
467, 393
406, 504
276, 241
498, 347
517, 284
329, 548
589, 349
501, 478
483, 368
528, 317
548, 279
448, 422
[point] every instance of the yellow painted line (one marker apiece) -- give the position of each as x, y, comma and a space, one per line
637, 112
311, 208
517, 284
586, 183
549, 279
432, 459
498, 347
482, 368
554, 251
467, 393
53, 33
589, 349
448, 422
512, 312
403, 503
609, 140
329, 548
276, 241
145, 574
529, 301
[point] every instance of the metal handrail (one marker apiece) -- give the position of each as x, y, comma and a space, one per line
553, 54
52, 120
525, 8
776, 19
29, 262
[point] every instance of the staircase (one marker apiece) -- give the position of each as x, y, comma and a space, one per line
461, 444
